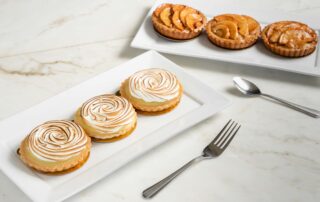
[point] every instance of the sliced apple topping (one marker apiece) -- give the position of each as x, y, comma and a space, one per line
252, 24
221, 30
184, 13
192, 20
274, 38
165, 16
231, 28
226, 17
243, 23
176, 16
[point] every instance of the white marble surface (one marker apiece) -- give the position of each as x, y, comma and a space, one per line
49, 46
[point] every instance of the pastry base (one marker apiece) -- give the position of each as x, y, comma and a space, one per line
113, 139
158, 112
69, 170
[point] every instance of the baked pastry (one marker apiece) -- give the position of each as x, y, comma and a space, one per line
233, 31
289, 38
107, 118
177, 21
55, 147
152, 90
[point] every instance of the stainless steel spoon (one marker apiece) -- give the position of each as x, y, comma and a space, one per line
249, 88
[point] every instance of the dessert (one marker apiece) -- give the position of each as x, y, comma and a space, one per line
289, 38
233, 31
107, 118
152, 90
177, 21
55, 147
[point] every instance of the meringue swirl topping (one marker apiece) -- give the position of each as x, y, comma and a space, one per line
154, 85
57, 140
108, 113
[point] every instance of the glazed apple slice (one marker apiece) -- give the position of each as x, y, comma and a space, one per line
176, 16
232, 28
221, 30
241, 21
242, 25
252, 24
165, 16
183, 14
192, 20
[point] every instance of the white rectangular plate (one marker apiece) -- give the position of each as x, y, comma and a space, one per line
201, 47
198, 103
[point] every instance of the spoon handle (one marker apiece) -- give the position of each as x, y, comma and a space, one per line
308, 111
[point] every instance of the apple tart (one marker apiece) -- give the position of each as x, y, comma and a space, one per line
177, 21
289, 38
233, 31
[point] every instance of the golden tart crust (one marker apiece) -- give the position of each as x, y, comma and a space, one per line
56, 147
290, 38
178, 21
233, 31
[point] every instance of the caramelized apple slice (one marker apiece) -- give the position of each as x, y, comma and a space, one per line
177, 7
242, 25
183, 14
164, 16
232, 27
252, 24
176, 16
192, 19
283, 39
274, 37
226, 17
222, 31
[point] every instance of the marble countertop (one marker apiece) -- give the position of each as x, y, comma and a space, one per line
49, 46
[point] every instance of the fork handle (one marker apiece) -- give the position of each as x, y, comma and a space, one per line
308, 111
156, 188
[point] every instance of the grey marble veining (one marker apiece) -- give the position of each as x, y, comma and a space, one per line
60, 44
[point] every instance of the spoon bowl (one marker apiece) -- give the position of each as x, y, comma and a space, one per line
246, 87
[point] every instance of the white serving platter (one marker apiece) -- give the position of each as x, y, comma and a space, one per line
257, 55
198, 103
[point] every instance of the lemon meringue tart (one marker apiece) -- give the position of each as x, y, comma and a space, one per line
107, 118
178, 22
55, 147
233, 31
290, 38
152, 90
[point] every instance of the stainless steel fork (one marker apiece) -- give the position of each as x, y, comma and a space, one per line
214, 149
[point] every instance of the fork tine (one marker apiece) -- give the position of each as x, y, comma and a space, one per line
227, 135
224, 127
224, 134
226, 145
